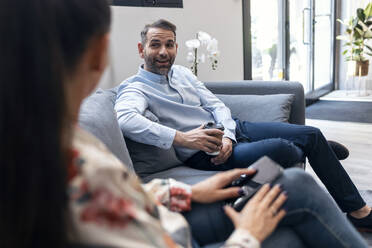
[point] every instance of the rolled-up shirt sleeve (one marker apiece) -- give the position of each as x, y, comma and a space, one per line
130, 106
242, 239
210, 102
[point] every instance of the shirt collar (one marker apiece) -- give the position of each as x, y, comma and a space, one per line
153, 76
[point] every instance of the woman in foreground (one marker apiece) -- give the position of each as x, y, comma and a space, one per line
61, 185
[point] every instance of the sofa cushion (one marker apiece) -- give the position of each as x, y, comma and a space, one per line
148, 159
97, 116
183, 174
259, 108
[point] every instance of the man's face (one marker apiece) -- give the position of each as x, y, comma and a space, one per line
160, 50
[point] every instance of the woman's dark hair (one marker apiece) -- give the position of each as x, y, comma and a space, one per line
161, 23
40, 41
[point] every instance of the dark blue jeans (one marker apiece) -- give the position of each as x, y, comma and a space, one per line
312, 219
288, 144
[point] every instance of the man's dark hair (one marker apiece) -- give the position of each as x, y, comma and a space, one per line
163, 24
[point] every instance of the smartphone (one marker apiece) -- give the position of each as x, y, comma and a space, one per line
267, 172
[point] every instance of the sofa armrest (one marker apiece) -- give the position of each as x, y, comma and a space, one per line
247, 87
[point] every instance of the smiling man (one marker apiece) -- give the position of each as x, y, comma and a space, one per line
158, 57
180, 104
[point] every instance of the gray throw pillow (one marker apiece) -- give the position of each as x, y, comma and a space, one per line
257, 108
148, 159
97, 116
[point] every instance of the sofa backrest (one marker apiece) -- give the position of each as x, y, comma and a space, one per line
97, 116
255, 108
251, 87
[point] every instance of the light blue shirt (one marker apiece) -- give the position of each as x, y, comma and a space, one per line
150, 108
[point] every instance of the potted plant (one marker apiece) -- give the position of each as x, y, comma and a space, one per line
358, 32
195, 58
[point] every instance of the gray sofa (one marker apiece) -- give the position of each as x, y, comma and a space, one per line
256, 101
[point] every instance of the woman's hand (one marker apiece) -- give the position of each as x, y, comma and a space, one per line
261, 214
212, 189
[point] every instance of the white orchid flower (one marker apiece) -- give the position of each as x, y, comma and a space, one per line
202, 58
214, 55
212, 46
204, 37
190, 57
193, 44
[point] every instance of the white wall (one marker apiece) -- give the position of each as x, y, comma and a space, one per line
222, 19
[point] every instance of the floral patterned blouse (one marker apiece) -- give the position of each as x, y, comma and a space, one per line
108, 205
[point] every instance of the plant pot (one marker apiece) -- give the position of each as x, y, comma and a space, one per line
361, 68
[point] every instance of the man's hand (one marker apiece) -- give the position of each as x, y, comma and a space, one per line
207, 140
212, 189
225, 152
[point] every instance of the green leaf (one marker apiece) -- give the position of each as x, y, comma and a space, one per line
368, 10
360, 14
344, 52
369, 47
364, 26
354, 22
360, 32
341, 37
350, 22
370, 54
356, 36
357, 52
341, 21
368, 33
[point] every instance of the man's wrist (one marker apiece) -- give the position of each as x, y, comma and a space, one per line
229, 134
179, 138
227, 139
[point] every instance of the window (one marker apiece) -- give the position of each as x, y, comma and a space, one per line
265, 40
149, 3
291, 40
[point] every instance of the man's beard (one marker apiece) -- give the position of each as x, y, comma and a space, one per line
151, 64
